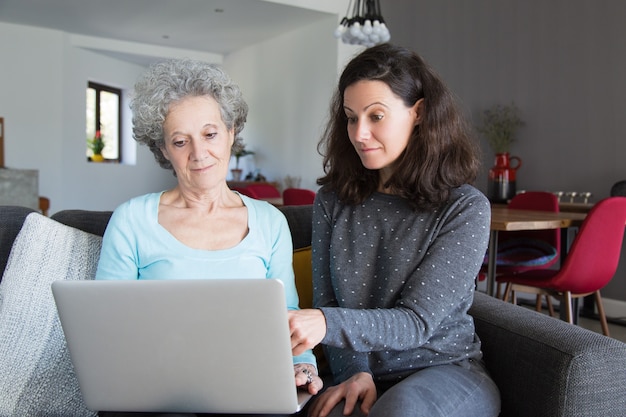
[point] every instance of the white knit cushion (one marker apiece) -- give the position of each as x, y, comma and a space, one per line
36, 375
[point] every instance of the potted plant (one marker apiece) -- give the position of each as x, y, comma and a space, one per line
96, 145
239, 151
500, 123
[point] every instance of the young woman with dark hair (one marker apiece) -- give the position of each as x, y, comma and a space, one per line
399, 234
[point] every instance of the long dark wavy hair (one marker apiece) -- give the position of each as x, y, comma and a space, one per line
441, 153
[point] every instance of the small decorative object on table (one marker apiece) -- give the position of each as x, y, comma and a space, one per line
586, 196
255, 176
559, 194
96, 145
292, 182
499, 126
238, 151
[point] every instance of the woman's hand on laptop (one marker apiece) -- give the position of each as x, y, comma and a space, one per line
307, 328
307, 378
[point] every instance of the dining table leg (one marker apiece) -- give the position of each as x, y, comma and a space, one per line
492, 252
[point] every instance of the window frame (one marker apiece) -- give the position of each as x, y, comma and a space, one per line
99, 88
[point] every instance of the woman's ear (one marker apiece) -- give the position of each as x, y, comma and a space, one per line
418, 109
164, 152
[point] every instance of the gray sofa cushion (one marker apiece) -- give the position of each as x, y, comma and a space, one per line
300, 220
11, 220
94, 222
545, 367
36, 373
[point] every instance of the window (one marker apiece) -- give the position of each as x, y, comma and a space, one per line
104, 116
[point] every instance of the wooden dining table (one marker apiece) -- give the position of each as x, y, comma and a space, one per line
505, 219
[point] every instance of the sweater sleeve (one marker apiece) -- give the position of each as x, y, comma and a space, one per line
323, 296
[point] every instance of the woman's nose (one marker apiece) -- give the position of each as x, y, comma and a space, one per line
197, 149
362, 131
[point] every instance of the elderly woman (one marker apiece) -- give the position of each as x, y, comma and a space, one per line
190, 114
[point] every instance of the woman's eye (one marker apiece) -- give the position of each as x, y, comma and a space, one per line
211, 135
178, 142
351, 120
377, 117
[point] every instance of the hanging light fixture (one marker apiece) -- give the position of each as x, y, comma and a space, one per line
366, 25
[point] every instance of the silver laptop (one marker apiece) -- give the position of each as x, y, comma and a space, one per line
192, 346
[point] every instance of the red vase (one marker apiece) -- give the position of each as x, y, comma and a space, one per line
501, 186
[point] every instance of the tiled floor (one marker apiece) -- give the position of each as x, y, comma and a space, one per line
616, 330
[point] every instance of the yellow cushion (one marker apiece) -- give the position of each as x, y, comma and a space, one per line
304, 276
303, 271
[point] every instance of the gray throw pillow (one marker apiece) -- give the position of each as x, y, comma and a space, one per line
36, 374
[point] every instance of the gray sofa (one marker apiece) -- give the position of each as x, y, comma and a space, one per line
543, 366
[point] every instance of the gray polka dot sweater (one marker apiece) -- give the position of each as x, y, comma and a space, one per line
394, 284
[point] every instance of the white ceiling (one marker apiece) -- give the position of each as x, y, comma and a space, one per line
212, 26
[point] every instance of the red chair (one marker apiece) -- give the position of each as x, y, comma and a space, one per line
527, 250
262, 190
242, 190
590, 264
530, 249
298, 197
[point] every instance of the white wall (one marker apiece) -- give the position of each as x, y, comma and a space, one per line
118, 182
42, 98
287, 82
43, 75
31, 92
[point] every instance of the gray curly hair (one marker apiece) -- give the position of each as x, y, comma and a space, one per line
170, 81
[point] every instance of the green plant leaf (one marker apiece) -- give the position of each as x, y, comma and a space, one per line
499, 125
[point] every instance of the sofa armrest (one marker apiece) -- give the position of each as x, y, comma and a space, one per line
11, 221
545, 367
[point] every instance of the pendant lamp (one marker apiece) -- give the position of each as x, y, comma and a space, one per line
364, 26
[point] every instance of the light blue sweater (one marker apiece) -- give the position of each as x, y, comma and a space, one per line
136, 246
